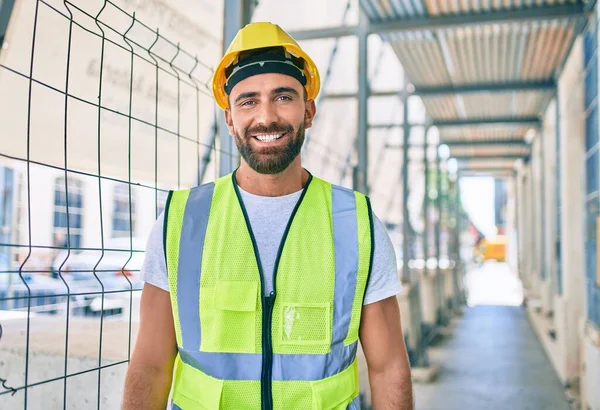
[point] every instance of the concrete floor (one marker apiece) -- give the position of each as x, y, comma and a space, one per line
493, 360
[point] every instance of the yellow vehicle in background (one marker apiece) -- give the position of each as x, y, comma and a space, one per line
491, 249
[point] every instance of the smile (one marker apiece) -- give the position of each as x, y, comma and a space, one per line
268, 137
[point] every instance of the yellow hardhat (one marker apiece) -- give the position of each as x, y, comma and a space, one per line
257, 36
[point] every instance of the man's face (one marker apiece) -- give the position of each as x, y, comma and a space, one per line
268, 116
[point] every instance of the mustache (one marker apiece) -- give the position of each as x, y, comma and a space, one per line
274, 128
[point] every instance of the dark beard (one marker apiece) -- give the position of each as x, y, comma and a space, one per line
271, 160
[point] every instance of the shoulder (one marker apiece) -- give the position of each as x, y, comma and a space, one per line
178, 198
384, 281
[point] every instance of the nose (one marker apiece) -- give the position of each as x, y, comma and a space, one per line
266, 114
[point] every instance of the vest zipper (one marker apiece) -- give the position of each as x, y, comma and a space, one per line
268, 302
267, 362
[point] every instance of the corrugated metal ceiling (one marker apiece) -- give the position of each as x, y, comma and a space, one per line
478, 54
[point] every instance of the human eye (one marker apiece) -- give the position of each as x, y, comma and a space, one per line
248, 103
284, 98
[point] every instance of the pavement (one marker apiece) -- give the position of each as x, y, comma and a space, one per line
492, 360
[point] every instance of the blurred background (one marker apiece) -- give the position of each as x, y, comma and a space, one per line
472, 125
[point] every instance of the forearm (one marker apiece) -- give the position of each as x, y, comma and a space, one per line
391, 388
146, 388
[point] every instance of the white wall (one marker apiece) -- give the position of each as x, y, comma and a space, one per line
548, 203
572, 134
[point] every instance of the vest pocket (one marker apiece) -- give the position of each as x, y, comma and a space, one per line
231, 319
336, 392
236, 296
306, 323
195, 390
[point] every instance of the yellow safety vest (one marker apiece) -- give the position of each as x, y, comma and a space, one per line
239, 348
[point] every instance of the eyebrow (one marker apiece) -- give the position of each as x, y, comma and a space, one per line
278, 90
249, 94
281, 90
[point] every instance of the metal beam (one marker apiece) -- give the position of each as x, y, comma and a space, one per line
342, 96
532, 121
506, 157
483, 143
405, 214
426, 199
236, 15
582, 22
362, 145
451, 89
487, 171
387, 126
486, 168
438, 233
517, 15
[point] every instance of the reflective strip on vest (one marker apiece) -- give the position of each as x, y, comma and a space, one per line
191, 245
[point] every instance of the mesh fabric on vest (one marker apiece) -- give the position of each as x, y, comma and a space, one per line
240, 394
292, 395
174, 224
364, 265
303, 313
230, 324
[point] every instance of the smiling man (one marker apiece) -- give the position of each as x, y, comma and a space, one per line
260, 285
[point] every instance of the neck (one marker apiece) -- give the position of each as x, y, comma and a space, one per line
287, 182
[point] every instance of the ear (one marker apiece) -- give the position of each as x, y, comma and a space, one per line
229, 121
309, 113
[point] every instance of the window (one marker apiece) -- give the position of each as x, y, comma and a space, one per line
70, 237
6, 216
122, 223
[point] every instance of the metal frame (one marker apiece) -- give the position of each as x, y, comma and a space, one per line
506, 157
543, 266
466, 144
582, 22
236, 15
388, 126
419, 23
557, 239
493, 174
362, 144
514, 142
518, 216
405, 214
426, 199
438, 232
451, 89
532, 121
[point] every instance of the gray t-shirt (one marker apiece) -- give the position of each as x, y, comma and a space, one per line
269, 217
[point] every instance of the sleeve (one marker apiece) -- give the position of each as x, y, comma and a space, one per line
154, 268
384, 281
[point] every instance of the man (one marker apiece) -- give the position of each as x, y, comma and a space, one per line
258, 285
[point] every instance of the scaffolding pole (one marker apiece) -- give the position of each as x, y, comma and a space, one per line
426, 202
559, 285
237, 13
361, 174
438, 222
405, 214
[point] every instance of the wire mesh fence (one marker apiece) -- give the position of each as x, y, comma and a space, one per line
101, 115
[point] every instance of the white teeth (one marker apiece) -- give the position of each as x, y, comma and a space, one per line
268, 138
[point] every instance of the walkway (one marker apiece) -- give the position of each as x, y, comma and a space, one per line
492, 361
